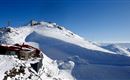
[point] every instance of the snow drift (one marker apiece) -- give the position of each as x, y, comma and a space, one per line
71, 53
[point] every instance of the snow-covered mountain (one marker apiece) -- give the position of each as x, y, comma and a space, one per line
11, 67
69, 55
117, 49
124, 45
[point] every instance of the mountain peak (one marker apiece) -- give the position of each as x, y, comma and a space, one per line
45, 23
68, 53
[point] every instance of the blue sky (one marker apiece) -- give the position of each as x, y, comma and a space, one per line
96, 20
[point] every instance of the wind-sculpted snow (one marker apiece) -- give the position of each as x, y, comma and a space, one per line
63, 50
101, 72
117, 49
71, 53
49, 70
87, 60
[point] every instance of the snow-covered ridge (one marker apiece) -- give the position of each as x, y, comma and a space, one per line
50, 69
50, 30
118, 49
74, 55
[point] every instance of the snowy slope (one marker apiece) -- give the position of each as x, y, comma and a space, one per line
49, 70
123, 45
50, 30
8, 64
67, 36
72, 53
118, 49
